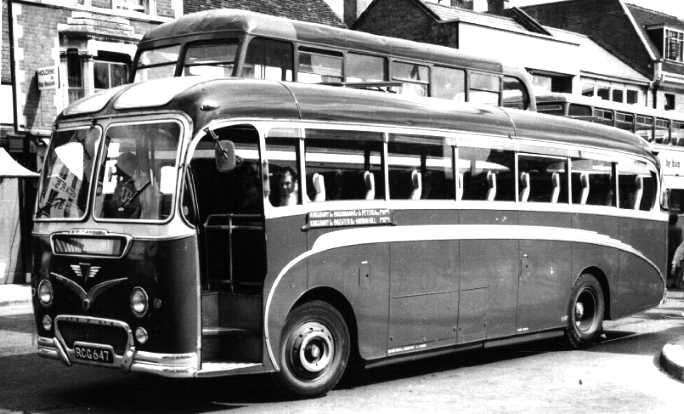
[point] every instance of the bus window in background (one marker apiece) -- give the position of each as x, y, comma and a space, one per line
644, 127
420, 168
415, 78
364, 68
316, 66
484, 88
448, 83
624, 121
268, 59
515, 94
637, 185
580, 112
593, 182
210, 59
157, 63
542, 179
347, 162
677, 133
603, 116
662, 131
486, 174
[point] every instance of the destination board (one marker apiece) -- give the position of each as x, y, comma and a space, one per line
356, 217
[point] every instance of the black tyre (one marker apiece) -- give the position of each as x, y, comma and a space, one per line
585, 312
314, 349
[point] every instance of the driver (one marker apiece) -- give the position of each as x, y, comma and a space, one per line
124, 202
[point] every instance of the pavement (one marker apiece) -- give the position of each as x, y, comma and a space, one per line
16, 299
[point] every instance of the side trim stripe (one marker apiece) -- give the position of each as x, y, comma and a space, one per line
370, 235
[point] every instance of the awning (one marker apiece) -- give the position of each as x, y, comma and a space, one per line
9, 168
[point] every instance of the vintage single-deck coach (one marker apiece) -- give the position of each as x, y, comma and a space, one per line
193, 227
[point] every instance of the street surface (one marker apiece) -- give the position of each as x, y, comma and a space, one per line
620, 375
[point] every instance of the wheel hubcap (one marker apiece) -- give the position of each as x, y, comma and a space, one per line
313, 347
586, 311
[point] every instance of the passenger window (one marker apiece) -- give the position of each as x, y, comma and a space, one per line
414, 78
283, 172
603, 116
420, 168
662, 131
542, 179
580, 111
484, 88
316, 66
343, 165
593, 182
644, 127
210, 59
448, 83
485, 174
268, 59
364, 68
624, 121
515, 93
637, 185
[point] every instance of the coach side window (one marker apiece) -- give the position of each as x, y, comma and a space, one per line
485, 88
593, 182
542, 179
515, 93
420, 168
637, 185
268, 59
283, 173
364, 68
414, 78
343, 165
486, 174
448, 83
316, 66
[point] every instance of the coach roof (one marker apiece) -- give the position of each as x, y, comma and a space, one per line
206, 100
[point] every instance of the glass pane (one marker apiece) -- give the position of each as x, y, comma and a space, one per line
637, 185
593, 182
364, 68
156, 72
485, 82
489, 98
587, 88
550, 108
66, 177
318, 67
129, 179
283, 171
448, 83
486, 174
618, 95
632, 96
576, 110
515, 94
542, 179
410, 71
268, 59
204, 54
119, 74
101, 75
158, 56
345, 168
420, 170
603, 92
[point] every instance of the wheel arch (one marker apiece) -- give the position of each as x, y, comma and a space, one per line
605, 286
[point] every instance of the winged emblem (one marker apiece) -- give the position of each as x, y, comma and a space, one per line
85, 269
87, 298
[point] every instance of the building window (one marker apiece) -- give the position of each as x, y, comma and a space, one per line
74, 66
632, 96
669, 102
142, 6
674, 44
613, 91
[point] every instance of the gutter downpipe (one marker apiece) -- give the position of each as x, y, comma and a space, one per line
13, 75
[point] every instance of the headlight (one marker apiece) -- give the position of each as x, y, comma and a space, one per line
47, 322
141, 335
139, 302
45, 292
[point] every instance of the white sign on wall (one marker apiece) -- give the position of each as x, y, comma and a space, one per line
47, 77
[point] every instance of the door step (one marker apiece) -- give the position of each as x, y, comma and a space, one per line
217, 369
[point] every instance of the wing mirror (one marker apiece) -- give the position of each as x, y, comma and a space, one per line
224, 155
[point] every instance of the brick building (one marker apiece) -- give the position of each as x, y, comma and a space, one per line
558, 60
53, 52
651, 42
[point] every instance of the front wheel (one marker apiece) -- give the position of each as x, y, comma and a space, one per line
585, 312
314, 349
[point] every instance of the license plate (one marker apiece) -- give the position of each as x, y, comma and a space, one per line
94, 353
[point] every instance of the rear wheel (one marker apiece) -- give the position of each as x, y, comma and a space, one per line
585, 312
314, 349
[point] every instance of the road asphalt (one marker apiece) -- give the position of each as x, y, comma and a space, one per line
16, 300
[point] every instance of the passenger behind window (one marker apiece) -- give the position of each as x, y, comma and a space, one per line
288, 189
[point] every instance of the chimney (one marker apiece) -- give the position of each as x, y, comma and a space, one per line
350, 12
464, 4
496, 6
